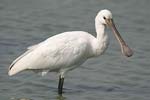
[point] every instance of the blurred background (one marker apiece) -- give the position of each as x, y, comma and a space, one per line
108, 77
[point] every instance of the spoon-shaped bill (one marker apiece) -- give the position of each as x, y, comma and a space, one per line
127, 51
124, 47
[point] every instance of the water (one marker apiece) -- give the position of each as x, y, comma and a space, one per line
109, 77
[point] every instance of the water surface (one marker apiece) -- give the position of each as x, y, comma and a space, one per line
108, 77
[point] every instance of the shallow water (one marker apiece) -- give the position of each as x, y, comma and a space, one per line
108, 77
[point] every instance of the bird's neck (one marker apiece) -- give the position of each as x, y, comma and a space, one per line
101, 39
100, 30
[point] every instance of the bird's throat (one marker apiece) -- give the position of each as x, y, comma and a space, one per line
100, 31
102, 39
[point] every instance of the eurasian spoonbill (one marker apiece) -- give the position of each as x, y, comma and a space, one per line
66, 51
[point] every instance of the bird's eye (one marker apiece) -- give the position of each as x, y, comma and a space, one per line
104, 17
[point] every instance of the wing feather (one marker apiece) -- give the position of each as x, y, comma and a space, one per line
54, 54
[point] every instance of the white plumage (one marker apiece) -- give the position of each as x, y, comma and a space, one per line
68, 50
59, 53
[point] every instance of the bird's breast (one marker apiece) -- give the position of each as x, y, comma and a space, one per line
101, 46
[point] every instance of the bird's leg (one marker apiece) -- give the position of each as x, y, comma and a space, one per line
60, 85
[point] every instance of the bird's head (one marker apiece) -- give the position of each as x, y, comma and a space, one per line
104, 17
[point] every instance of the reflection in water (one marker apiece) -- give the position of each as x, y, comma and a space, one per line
13, 98
59, 97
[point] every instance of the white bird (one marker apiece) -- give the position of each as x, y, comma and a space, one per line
66, 51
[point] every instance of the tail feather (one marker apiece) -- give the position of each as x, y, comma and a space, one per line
14, 68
